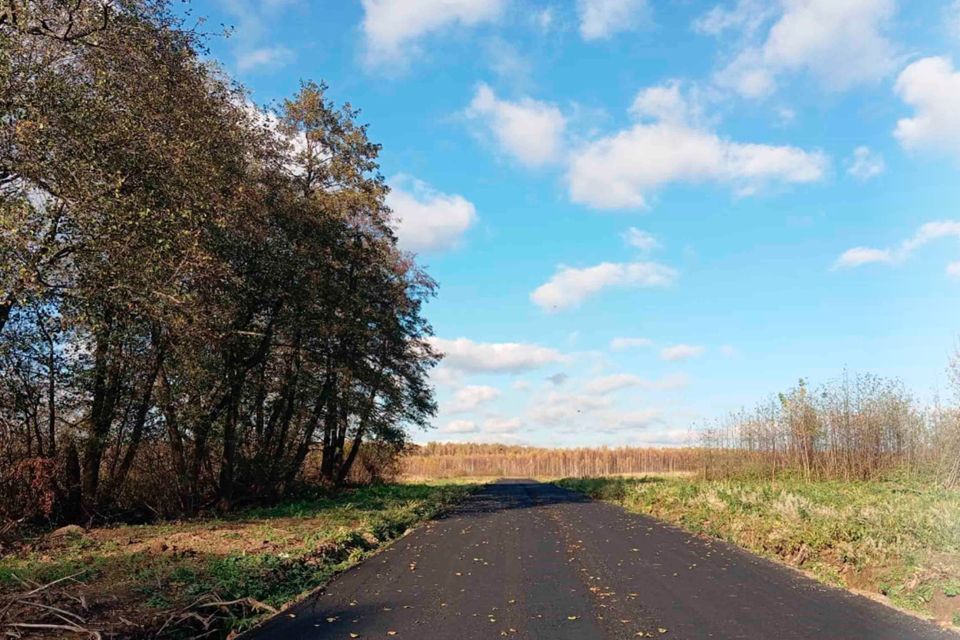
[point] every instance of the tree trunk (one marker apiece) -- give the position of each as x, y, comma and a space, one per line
5, 308
304, 447
139, 421
73, 507
361, 429
105, 390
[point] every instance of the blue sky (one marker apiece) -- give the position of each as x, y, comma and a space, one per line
643, 214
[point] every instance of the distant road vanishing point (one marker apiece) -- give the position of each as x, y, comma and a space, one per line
520, 559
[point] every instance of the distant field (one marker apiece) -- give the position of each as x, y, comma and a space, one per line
205, 575
443, 460
899, 538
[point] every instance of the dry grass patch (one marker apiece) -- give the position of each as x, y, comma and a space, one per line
898, 538
182, 579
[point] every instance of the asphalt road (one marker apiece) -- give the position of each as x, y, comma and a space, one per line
521, 559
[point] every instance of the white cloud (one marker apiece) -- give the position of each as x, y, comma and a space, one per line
253, 23
528, 130
521, 385
426, 219
635, 419
460, 426
952, 18
864, 164
609, 384
621, 344
544, 19
471, 398
601, 19
507, 62
619, 170
678, 352
263, 57
562, 408
666, 103
747, 16
953, 269
570, 413
569, 286
932, 87
926, 234
807, 36
445, 376
859, 256
639, 239
494, 357
391, 28
502, 425
728, 350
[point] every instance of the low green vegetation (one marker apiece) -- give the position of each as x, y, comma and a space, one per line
217, 574
899, 537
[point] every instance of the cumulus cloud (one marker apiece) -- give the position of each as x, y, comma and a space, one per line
747, 17
858, 256
620, 170
808, 36
460, 426
425, 219
927, 233
865, 164
609, 384
471, 398
621, 344
445, 376
600, 19
529, 131
666, 103
494, 357
261, 57
569, 413
556, 408
253, 23
392, 28
953, 269
502, 425
569, 286
932, 87
642, 240
679, 352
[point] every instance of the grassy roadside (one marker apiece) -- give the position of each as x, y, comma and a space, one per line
181, 579
898, 538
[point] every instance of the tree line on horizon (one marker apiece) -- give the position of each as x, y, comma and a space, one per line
857, 427
196, 295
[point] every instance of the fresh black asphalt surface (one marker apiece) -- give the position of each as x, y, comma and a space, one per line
520, 559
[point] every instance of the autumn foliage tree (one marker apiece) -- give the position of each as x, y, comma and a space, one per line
194, 293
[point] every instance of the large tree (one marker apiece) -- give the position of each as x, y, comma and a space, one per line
186, 272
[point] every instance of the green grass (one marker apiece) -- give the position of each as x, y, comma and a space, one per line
898, 537
271, 554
